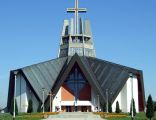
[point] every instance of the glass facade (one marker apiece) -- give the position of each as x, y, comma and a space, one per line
76, 82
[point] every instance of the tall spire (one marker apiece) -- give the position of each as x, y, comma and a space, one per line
76, 37
76, 10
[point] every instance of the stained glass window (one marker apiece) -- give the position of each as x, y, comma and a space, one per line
76, 82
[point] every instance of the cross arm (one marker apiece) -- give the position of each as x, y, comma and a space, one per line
79, 10
82, 10
70, 9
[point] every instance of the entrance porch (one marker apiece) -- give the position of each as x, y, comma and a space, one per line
76, 108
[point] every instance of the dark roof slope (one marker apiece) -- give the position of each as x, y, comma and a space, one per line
42, 75
109, 75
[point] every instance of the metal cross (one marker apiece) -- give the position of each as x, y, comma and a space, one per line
76, 10
51, 100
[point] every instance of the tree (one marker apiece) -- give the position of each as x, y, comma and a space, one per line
150, 108
104, 107
134, 110
109, 107
0, 108
39, 108
12, 107
30, 106
155, 106
117, 107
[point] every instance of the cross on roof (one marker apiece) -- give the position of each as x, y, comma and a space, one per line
76, 10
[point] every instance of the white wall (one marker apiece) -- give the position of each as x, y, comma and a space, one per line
114, 104
94, 101
23, 94
125, 96
57, 101
31, 96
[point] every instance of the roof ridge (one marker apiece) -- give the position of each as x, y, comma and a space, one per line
41, 62
113, 63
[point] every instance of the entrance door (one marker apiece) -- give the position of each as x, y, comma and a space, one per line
85, 108
68, 108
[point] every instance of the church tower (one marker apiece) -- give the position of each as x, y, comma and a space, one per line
76, 35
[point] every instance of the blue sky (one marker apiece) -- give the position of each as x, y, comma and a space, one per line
124, 32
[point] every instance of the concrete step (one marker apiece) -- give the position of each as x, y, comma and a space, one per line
74, 119
74, 116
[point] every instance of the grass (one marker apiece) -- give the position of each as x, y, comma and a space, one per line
139, 116
26, 116
39, 116
34, 116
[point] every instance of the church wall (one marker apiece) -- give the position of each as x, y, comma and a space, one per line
85, 93
31, 96
57, 101
135, 93
114, 103
66, 95
124, 97
129, 96
94, 101
23, 94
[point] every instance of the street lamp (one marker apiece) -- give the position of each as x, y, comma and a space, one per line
107, 100
43, 98
131, 76
51, 95
14, 114
98, 102
108, 93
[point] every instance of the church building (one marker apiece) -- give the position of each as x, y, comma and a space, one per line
76, 81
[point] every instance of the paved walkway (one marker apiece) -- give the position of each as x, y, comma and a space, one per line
74, 116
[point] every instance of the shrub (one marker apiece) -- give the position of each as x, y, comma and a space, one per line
104, 107
134, 110
30, 106
39, 108
117, 107
109, 107
150, 108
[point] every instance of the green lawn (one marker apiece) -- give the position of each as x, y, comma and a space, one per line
34, 116
139, 116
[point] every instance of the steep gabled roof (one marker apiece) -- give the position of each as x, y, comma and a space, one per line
85, 69
100, 74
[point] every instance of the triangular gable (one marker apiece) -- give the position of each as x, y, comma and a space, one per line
81, 63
